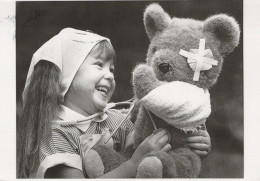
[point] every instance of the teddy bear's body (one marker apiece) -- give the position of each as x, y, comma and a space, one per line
179, 162
165, 65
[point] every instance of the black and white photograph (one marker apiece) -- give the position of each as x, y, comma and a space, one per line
131, 89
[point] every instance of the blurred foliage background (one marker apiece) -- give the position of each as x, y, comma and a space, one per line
122, 22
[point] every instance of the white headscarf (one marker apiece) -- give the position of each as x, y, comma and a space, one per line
67, 50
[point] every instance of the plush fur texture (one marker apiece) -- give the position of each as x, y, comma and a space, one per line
164, 64
103, 157
96, 168
146, 168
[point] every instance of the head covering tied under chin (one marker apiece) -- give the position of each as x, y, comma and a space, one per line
67, 50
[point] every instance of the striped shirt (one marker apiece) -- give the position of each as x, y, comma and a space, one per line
63, 145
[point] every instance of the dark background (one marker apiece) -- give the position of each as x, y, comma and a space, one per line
122, 22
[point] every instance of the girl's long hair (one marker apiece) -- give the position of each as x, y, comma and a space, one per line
41, 101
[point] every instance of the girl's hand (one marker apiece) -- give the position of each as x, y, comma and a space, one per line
200, 143
155, 142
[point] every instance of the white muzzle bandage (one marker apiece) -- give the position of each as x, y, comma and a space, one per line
180, 104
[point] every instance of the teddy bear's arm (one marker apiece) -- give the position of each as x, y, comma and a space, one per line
144, 80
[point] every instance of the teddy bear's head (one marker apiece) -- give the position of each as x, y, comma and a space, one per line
168, 36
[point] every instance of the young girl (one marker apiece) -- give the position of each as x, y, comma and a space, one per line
71, 80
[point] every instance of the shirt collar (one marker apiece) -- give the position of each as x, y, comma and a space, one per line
68, 114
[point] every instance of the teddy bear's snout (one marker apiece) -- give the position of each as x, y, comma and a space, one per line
164, 67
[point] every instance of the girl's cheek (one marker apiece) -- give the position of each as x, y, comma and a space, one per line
114, 87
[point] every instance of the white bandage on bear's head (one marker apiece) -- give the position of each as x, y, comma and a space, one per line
67, 50
199, 59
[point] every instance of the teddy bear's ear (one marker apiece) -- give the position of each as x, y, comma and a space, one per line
226, 29
155, 19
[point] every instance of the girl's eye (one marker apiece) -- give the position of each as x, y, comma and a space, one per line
99, 64
164, 67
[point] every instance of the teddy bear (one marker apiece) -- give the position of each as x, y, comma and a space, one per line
184, 61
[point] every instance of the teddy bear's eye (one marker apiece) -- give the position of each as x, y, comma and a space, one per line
164, 67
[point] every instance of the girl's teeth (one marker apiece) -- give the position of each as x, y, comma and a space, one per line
102, 89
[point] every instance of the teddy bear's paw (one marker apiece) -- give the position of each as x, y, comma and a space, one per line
188, 163
144, 80
93, 163
150, 167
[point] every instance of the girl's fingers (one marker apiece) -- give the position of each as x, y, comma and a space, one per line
157, 130
201, 133
199, 146
163, 140
167, 148
156, 136
198, 139
201, 153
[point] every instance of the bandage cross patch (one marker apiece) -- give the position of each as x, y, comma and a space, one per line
197, 60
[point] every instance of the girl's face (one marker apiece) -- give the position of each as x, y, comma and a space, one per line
93, 84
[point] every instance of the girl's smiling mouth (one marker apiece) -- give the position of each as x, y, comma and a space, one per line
103, 90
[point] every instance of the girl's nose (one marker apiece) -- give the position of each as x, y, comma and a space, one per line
109, 76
